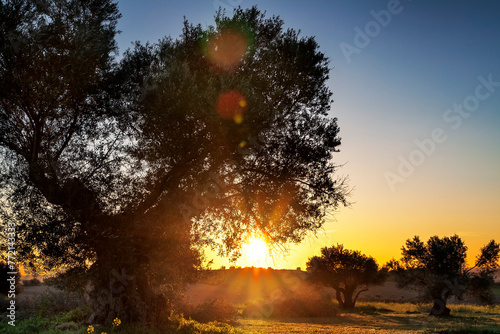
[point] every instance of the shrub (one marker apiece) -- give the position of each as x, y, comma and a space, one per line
73, 280
179, 325
32, 282
77, 315
212, 310
49, 304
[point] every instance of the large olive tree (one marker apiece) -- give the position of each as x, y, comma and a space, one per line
121, 171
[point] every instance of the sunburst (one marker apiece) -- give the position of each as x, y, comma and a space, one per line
255, 251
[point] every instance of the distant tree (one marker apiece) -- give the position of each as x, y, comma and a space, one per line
438, 267
121, 171
349, 272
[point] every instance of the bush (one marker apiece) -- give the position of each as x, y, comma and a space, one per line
32, 282
77, 315
49, 304
72, 280
179, 325
51, 281
56, 302
212, 310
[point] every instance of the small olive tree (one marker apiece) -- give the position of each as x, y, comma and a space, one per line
348, 272
438, 267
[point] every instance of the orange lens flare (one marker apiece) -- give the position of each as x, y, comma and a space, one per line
232, 105
227, 49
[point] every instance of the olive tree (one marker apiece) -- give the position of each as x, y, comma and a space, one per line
122, 171
439, 269
349, 272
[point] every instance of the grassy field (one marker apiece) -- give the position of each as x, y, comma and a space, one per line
387, 318
368, 317
45, 310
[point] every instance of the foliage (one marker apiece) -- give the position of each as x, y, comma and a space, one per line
51, 304
77, 315
404, 318
32, 282
73, 322
348, 272
119, 172
211, 310
439, 268
178, 324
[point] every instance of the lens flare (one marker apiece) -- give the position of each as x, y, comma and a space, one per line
238, 118
227, 49
232, 105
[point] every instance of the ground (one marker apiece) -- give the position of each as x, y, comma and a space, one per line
386, 318
385, 309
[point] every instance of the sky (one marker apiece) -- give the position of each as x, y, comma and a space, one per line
416, 89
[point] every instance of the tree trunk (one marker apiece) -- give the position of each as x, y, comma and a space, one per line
338, 295
121, 290
121, 284
439, 308
346, 302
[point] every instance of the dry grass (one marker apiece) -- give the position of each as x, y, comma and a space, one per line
379, 317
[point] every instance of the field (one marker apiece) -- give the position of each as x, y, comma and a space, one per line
387, 318
369, 317
266, 301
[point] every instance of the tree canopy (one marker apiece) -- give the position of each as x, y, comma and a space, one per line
131, 166
349, 272
438, 267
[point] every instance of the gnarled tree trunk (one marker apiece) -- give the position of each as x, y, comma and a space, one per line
439, 308
345, 297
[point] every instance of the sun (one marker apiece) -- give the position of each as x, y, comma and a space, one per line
255, 252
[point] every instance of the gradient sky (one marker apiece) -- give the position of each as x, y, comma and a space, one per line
405, 80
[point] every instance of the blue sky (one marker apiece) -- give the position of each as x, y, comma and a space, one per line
394, 91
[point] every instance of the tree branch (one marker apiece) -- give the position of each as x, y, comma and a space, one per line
359, 292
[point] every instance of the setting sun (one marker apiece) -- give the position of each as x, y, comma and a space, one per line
255, 252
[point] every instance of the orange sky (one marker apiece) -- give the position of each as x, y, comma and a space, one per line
380, 221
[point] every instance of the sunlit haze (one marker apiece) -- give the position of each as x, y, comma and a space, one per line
417, 95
